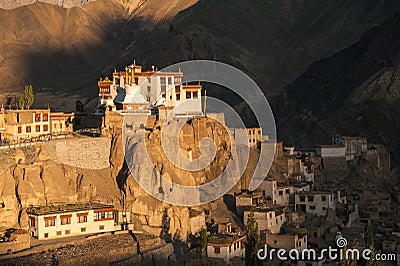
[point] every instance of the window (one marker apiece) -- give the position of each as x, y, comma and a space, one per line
270, 215
275, 242
32, 222
66, 219
287, 191
230, 249
280, 193
45, 127
37, 128
37, 117
178, 96
61, 125
170, 97
188, 95
28, 129
45, 117
217, 250
103, 215
324, 208
169, 80
46, 235
312, 207
323, 198
83, 229
67, 232
19, 130
315, 234
162, 80
310, 198
101, 227
49, 221
82, 218
195, 95
59, 233
302, 198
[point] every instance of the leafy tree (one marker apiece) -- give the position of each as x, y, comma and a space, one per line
21, 102
252, 241
372, 261
204, 239
369, 234
29, 96
349, 261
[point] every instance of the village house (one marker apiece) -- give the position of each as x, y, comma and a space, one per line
268, 219
61, 123
245, 198
56, 221
314, 202
289, 241
354, 146
20, 125
227, 247
280, 195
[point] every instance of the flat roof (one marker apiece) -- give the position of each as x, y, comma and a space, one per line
224, 239
63, 208
330, 146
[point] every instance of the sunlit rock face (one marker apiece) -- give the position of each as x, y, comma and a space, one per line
10, 4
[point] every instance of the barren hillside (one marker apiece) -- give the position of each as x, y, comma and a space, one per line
64, 51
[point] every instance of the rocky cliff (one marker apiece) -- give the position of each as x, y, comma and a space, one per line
30, 177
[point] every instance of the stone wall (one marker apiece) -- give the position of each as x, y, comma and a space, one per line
85, 152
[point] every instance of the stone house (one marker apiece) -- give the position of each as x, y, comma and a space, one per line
297, 241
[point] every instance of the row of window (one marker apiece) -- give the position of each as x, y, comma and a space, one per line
81, 218
28, 129
41, 117
236, 245
67, 232
310, 198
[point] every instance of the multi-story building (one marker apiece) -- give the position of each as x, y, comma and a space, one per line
25, 124
56, 221
330, 151
268, 219
314, 202
134, 91
280, 195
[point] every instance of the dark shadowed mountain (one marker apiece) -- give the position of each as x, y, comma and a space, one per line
64, 51
355, 92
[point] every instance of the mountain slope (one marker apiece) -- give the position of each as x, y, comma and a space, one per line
355, 92
64, 51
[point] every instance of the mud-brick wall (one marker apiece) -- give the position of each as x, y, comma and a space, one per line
88, 153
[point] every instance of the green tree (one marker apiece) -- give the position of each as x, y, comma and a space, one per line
372, 261
21, 102
252, 241
369, 235
204, 239
350, 261
29, 96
